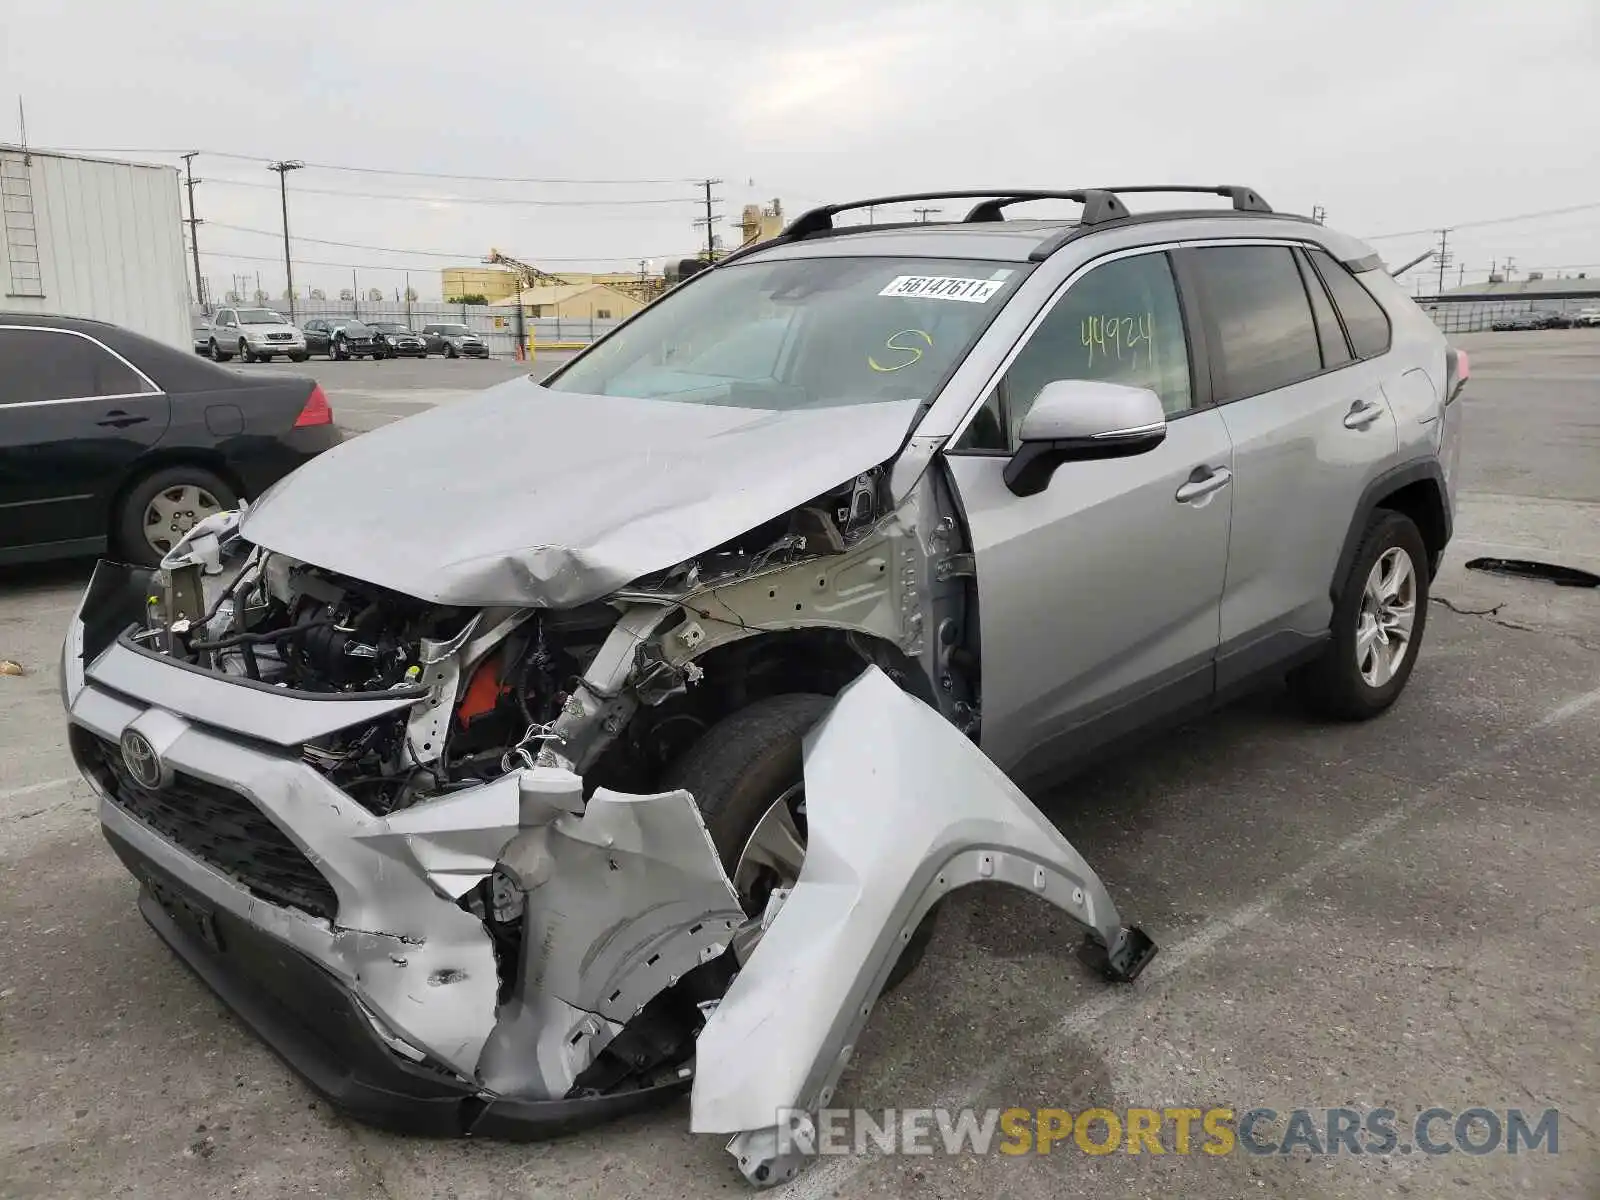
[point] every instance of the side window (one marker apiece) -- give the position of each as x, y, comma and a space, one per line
1120, 323
44, 364
1364, 318
1260, 319
1330, 334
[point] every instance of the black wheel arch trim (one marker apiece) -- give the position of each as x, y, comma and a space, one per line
1422, 470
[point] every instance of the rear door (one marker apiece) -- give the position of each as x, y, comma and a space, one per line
1098, 597
1310, 427
73, 418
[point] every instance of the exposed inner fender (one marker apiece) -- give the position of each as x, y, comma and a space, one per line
901, 810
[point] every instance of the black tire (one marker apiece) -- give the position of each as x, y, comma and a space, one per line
1332, 685
742, 764
127, 531
450, 352
334, 353
216, 352
298, 357
245, 353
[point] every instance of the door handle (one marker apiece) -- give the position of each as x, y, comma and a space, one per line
1362, 413
1201, 485
117, 419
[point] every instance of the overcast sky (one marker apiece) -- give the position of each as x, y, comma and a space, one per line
1394, 115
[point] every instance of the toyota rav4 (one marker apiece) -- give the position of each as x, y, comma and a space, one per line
600, 738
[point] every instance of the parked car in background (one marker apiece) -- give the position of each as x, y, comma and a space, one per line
1537, 319
396, 340
255, 335
202, 335
453, 341
1587, 317
341, 338
112, 442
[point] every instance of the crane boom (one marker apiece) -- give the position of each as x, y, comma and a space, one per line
530, 275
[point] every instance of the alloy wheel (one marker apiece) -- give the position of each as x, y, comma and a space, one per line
1387, 616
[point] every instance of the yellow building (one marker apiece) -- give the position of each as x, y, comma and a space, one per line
576, 301
489, 282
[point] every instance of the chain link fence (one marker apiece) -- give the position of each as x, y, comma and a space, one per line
1472, 316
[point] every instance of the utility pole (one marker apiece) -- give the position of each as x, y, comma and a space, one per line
283, 168
1443, 257
1510, 266
194, 236
355, 294
709, 221
1461, 280
1319, 214
871, 210
408, 299
922, 213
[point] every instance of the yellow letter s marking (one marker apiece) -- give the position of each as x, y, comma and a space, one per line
894, 343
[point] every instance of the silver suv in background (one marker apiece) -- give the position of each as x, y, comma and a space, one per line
255, 335
549, 753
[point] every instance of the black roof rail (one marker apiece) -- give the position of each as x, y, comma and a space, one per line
1100, 205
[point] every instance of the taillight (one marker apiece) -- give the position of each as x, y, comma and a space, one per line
317, 410
1457, 371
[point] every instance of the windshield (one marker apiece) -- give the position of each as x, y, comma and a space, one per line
355, 329
804, 333
390, 327
452, 330
260, 316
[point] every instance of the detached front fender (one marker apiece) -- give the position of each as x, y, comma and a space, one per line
901, 809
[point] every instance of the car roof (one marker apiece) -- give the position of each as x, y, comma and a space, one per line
173, 370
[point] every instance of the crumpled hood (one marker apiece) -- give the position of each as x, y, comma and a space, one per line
524, 496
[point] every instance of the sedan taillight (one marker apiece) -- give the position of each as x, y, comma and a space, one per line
317, 410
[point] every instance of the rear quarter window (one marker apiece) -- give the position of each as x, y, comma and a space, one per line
1364, 318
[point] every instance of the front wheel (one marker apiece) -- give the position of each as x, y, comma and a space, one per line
1377, 624
298, 357
745, 773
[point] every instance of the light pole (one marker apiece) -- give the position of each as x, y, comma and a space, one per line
283, 168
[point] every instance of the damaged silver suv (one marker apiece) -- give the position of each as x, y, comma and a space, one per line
549, 754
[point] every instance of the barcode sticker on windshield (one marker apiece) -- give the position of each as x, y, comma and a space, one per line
943, 287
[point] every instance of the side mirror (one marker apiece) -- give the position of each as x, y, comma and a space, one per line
1075, 420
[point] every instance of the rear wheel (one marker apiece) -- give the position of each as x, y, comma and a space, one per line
164, 506
745, 773
1377, 625
217, 354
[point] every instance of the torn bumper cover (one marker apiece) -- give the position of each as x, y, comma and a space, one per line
345, 939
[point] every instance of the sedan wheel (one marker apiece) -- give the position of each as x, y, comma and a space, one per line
216, 352
160, 508
173, 512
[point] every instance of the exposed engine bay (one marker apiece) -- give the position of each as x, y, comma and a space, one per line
490, 684
521, 902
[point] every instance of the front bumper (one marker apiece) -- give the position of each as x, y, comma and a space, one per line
317, 1025
478, 351
276, 347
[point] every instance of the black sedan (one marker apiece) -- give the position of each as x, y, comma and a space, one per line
397, 341
113, 443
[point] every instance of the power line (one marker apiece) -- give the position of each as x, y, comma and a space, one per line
1516, 217
471, 255
370, 266
257, 158
417, 198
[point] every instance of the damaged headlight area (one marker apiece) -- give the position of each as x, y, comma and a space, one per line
517, 921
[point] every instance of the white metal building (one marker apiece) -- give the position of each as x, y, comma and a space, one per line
94, 238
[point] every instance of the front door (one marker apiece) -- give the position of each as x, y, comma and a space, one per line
1098, 596
73, 417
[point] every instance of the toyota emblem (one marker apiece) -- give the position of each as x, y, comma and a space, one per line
141, 759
